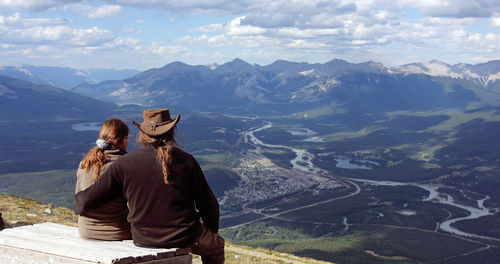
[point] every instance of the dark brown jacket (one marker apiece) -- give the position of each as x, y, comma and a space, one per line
108, 221
160, 215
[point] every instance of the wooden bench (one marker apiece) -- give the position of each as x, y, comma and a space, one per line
55, 243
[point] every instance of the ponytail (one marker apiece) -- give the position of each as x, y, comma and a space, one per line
164, 146
95, 160
164, 154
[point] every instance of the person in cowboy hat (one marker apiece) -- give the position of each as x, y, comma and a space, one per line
166, 191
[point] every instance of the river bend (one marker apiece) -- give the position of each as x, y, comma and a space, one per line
303, 161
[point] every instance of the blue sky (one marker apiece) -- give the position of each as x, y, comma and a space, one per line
132, 34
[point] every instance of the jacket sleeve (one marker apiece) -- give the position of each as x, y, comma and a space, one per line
103, 190
79, 176
205, 200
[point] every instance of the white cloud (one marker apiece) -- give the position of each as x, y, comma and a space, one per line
490, 37
35, 34
279, 29
209, 28
453, 8
9, 20
90, 37
7, 46
57, 35
189, 6
164, 50
304, 44
216, 41
36, 31
495, 21
459, 33
44, 48
95, 11
373, 24
235, 28
124, 42
33, 5
357, 42
34, 22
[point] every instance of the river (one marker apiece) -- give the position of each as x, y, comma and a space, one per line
303, 161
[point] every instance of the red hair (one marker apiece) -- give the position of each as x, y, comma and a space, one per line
113, 131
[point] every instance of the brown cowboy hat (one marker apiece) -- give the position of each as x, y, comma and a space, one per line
156, 122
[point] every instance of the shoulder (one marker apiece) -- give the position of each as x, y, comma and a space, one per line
114, 154
83, 171
185, 160
80, 171
181, 155
140, 155
135, 153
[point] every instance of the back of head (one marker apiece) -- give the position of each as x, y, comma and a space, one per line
111, 136
158, 130
113, 132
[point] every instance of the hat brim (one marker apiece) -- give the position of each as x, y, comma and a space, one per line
158, 130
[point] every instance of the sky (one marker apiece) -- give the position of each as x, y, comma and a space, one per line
145, 34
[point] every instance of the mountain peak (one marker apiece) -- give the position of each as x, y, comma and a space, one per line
337, 66
435, 61
236, 65
178, 65
483, 74
238, 62
288, 67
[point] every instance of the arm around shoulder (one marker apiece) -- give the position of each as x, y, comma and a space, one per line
103, 190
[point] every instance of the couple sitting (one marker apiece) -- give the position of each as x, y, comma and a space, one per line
155, 195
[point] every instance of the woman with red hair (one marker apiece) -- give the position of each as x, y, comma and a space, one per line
109, 220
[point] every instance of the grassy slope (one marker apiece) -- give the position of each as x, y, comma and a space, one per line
53, 186
17, 211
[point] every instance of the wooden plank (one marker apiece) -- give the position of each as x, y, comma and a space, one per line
53, 247
184, 259
65, 235
11, 255
61, 240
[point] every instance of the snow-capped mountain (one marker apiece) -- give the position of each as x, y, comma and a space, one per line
483, 74
285, 86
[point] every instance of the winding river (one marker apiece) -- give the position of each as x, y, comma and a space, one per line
303, 161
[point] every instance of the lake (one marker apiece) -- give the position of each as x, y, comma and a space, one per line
301, 132
346, 164
89, 126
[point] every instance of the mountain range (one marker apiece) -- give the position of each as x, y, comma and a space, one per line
282, 87
63, 77
24, 102
285, 87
